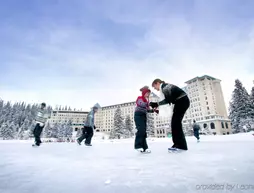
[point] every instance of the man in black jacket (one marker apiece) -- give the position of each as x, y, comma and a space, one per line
179, 98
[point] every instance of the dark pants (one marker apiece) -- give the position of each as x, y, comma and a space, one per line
140, 122
196, 133
178, 136
87, 133
37, 134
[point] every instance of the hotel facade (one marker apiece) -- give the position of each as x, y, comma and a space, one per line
207, 107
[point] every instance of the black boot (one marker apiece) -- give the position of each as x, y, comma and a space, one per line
78, 142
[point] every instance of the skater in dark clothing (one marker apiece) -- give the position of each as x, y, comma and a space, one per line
87, 131
179, 98
140, 118
196, 129
41, 119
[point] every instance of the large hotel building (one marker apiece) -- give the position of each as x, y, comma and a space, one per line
207, 107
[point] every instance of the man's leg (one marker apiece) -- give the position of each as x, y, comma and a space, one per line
83, 136
177, 132
195, 133
37, 134
198, 134
178, 136
89, 135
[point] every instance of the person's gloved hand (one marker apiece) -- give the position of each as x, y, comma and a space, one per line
153, 105
156, 111
94, 127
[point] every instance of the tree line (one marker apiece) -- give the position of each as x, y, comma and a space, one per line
17, 122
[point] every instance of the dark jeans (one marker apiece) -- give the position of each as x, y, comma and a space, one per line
196, 133
140, 122
37, 133
87, 133
178, 136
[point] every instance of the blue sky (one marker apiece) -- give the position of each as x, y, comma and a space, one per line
81, 52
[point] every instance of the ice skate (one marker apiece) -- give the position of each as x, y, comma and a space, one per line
147, 151
141, 150
174, 150
87, 144
34, 145
78, 142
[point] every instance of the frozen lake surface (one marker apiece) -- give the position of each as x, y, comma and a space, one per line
216, 164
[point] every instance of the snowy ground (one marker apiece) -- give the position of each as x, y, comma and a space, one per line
217, 164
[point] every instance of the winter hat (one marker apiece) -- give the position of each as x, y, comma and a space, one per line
43, 104
145, 90
144, 87
95, 107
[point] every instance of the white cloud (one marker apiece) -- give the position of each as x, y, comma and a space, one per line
173, 48
180, 54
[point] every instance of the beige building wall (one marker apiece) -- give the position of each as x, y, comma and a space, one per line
104, 119
207, 103
219, 98
207, 108
77, 117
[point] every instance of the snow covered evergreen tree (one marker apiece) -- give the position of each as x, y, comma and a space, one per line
8, 130
239, 107
128, 127
251, 113
23, 128
118, 129
69, 129
150, 124
3, 129
54, 131
61, 131
47, 130
79, 132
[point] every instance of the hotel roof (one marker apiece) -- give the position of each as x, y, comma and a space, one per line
201, 78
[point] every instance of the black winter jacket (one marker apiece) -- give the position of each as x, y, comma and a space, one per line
172, 93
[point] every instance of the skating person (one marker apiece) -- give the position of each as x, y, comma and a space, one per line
140, 118
41, 119
196, 129
87, 131
179, 98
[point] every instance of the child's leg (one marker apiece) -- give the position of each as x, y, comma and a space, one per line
145, 146
141, 131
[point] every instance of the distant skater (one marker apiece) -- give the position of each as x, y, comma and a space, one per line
179, 98
41, 119
88, 130
196, 129
140, 118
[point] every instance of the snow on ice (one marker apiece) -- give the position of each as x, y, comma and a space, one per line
216, 164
